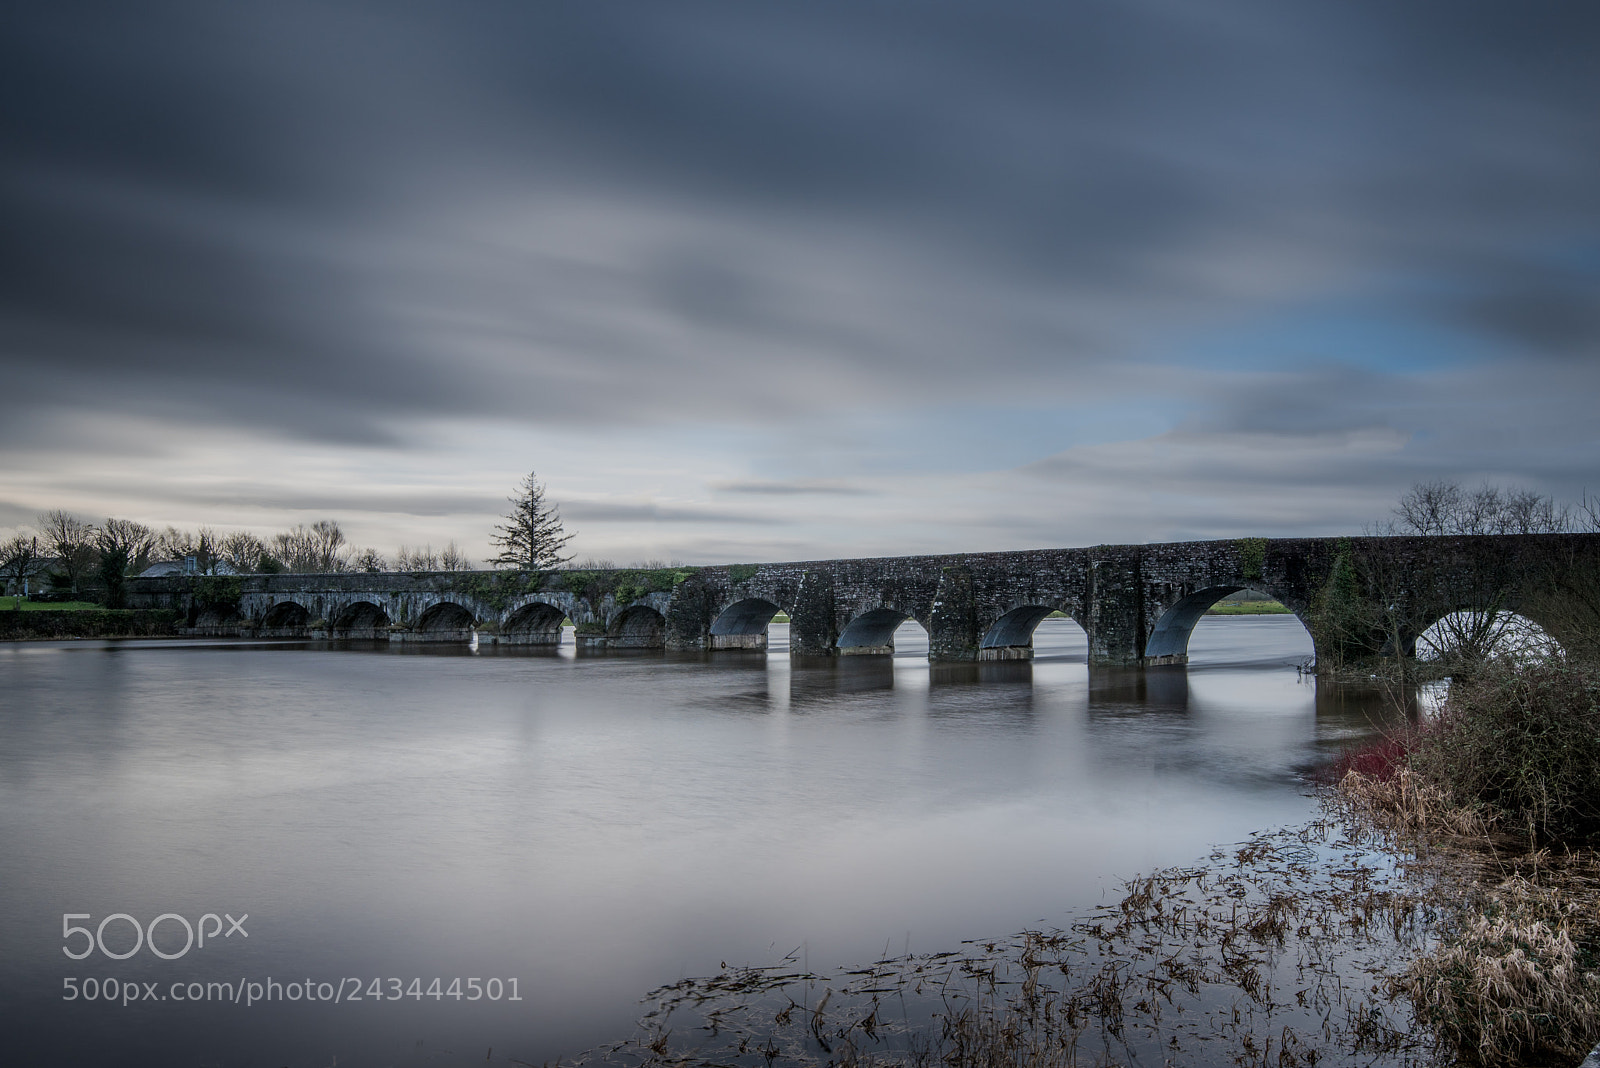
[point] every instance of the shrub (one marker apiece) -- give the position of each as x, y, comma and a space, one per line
1252, 556
217, 590
1522, 742
1379, 760
578, 583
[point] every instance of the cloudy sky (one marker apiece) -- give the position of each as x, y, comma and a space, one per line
775, 281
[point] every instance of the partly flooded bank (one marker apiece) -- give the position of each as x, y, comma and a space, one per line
1276, 951
1337, 942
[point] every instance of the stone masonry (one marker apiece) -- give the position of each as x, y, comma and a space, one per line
1137, 603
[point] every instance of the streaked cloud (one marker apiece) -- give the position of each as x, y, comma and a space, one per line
610, 511
794, 487
881, 276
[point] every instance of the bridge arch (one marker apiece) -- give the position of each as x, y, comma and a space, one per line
638, 626
1169, 639
446, 621
360, 619
743, 624
1011, 636
871, 632
535, 623
1468, 634
286, 615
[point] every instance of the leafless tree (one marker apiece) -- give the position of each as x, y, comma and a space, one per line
329, 541
129, 540
369, 560
1470, 637
1428, 508
450, 558
292, 549
1586, 515
71, 542
1527, 512
314, 549
172, 544
180, 545
242, 551
422, 558
19, 560
1440, 508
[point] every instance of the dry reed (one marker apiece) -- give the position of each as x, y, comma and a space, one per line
1513, 981
1510, 972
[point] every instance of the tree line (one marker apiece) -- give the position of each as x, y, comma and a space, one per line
78, 559
1445, 507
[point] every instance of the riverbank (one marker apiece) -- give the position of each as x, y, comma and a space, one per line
23, 604
45, 624
1499, 786
1511, 975
1324, 944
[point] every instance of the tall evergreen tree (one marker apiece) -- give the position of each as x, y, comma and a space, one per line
531, 538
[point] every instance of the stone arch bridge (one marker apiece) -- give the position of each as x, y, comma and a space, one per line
1137, 603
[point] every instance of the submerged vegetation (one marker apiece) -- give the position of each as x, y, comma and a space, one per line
1250, 958
1274, 952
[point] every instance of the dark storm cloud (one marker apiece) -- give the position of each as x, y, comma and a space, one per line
338, 221
1540, 309
1331, 447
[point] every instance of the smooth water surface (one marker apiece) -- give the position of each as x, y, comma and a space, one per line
590, 826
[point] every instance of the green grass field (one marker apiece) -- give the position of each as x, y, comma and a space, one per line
1247, 608
9, 603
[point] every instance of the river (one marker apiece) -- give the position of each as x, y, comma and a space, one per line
571, 830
